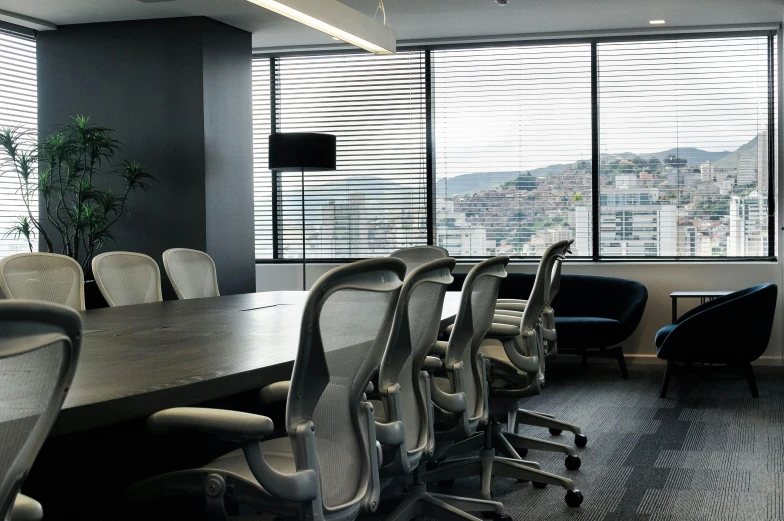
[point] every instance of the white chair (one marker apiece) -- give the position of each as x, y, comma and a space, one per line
191, 272
46, 277
127, 278
39, 349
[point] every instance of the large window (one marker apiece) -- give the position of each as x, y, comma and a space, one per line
633, 147
684, 142
19, 111
376, 201
513, 148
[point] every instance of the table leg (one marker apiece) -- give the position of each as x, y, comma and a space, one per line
674, 309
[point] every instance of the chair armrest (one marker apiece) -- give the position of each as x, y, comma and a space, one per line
439, 348
511, 305
297, 487
390, 434
274, 393
232, 425
506, 319
450, 402
432, 363
509, 313
26, 509
503, 330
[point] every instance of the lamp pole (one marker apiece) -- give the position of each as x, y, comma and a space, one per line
304, 275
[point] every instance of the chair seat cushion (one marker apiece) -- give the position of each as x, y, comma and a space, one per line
277, 453
662, 334
579, 332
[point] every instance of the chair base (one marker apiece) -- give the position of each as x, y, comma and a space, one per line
419, 502
539, 419
488, 465
613, 353
747, 370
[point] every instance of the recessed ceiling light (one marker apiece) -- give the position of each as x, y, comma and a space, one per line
656, 22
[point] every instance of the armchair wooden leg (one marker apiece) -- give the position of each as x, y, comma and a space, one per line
666, 379
622, 362
751, 380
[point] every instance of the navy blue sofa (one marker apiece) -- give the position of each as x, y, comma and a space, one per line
732, 330
593, 315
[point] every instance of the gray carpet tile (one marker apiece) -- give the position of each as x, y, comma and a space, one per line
709, 451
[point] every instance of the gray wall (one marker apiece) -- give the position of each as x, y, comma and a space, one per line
229, 157
146, 80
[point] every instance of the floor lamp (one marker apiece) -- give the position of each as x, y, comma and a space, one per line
302, 152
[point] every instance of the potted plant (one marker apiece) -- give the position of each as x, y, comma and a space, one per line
62, 171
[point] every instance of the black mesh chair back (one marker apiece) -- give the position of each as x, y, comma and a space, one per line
345, 327
416, 256
415, 329
39, 348
473, 320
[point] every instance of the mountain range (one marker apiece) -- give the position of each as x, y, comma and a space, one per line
480, 181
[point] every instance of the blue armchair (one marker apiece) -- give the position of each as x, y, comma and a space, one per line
732, 330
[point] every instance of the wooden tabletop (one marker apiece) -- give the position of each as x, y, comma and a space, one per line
136, 360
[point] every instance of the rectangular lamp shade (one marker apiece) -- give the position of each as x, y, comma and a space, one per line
297, 151
337, 20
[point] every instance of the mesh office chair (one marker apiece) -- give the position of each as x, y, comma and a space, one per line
191, 272
416, 256
405, 411
550, 263
514, 375
39, 348
327, 468
464, 395
47, 277
127, 278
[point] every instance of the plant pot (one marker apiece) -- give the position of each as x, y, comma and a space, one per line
93, 299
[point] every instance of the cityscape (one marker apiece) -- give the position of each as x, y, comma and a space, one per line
675, 203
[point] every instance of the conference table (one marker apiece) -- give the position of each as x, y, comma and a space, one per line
136, 360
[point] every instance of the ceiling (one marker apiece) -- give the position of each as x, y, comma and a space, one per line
421, 19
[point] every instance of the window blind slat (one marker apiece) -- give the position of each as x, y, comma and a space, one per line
684, 143
18, 110
376, 201
262, 177
502, 115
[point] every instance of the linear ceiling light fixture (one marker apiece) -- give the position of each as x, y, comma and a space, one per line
337, 20
656, 22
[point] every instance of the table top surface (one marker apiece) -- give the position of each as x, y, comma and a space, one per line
698, 294
136, 360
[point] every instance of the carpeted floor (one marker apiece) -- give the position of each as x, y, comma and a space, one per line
709, 451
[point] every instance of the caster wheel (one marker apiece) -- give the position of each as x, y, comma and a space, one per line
574, 498
573, 462
556, 432
580, 440
537, 484
447, 483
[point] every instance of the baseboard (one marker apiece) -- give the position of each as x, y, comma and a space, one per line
637, 358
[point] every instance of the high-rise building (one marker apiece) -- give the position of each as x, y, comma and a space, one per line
762, 161
747, 170
748, 233
454, 233
626, 228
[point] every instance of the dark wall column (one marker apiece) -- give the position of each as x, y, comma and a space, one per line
228, 123
153, 82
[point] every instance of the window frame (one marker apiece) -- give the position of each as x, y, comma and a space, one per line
774, 47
